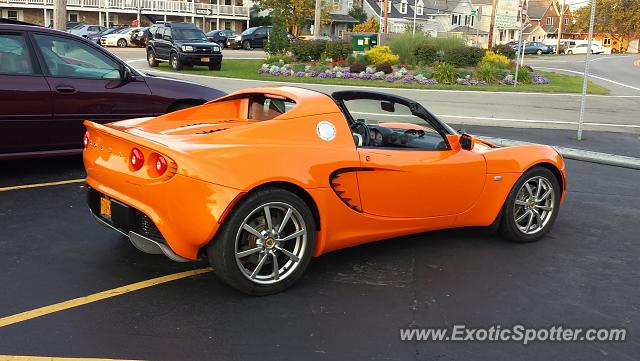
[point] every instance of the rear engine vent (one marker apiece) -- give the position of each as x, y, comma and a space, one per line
209, 131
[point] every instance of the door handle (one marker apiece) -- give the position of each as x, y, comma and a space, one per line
66, 89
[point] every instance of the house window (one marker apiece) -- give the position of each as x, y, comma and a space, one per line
13, 15
512, 34
389, 6
350, 4
455, 19
468, 20
113, 20
607, 42
501, 35
227, 25
549, 20
398, 27
73, 16
420, 8
403, 6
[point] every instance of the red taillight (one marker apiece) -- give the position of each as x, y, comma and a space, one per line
161, 165
85, 140
137, 159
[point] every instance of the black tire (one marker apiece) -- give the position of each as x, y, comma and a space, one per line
215, 66
221, 43
151, 58
509, 226
539, 52
570, 52
222, 249
122, 43
246, 45
175, 61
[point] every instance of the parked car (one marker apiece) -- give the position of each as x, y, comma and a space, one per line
582, 49
536, 47
86, 30
51, 81
72, 24
564, 45
254, 37
120, 38
182, 44
96, 37
138, 38
368, 166
221, 37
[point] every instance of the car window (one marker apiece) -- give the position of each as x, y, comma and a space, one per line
393, 125
65, 57
159, 33
93, 28
249, 31
263, 107
261, 31
14, 55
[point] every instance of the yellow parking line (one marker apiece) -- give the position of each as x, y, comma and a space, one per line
24, 316
46, 358
24, 186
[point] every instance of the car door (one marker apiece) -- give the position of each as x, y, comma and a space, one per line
87, 83
259, 37
421, 178
26, 111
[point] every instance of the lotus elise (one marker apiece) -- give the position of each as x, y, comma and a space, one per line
262, 180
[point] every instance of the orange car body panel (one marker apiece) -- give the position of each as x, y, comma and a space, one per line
216, 154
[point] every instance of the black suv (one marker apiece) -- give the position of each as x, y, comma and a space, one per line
182, 44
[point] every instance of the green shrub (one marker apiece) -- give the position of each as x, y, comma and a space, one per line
405, 45
278, 41
524, 75
308, 50
425, 54
464, 73
502, 73
274, 59
488, 72
351, 59
298, 67
357, 68
320, 68
505, 50
445, 73
337, 49
427, 74
381, 55
462, 56
384, 67
362, 59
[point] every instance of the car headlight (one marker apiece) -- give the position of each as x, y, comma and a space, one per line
187, 48
216, 48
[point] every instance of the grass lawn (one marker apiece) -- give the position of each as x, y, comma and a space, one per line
248, 69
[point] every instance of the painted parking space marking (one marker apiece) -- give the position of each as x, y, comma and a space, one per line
37, 185
47, 358
46, 310
592, 76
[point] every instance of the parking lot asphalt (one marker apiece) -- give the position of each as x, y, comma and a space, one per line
350, 304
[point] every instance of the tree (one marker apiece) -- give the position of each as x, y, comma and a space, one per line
255, 19
278, 41
295, 12
370, 26
358, 13
615, 17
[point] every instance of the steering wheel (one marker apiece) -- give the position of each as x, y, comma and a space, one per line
361, 133
415, 132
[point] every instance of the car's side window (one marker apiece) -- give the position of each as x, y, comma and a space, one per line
159, 33
167, 34
14, 55
70, 58
392, 125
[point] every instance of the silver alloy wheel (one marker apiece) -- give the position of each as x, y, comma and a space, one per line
151, 58
174, 61
122, 43
534, 205
270, 243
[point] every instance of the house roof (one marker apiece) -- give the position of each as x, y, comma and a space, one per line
431, 7
550, 29
537, 8
342, 18
467, 30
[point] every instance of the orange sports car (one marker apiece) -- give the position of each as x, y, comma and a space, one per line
263, 179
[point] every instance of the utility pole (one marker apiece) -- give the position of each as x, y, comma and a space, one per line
386, 16
317, 19
586, 69
415, 6
60, 15
493, 21
560, 27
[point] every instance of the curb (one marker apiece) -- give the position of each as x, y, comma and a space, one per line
578, 154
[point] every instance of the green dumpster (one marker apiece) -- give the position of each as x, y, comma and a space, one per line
362, 42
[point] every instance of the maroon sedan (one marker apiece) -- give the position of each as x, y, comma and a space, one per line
51, 81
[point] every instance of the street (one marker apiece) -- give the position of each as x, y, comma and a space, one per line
616, 112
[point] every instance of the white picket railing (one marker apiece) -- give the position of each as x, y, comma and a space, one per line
161, 6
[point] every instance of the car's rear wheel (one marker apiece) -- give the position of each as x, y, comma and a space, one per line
532, 206
539, 52
151, 59
122, 43
265, 244
176, 64
570, 52
246, 45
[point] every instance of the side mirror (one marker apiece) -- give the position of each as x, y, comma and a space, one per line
126, 75
388, 107
466, 141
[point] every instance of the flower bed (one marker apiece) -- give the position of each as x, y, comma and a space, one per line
400, 75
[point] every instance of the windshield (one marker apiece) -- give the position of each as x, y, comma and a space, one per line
108, 31
188, 34
249, 31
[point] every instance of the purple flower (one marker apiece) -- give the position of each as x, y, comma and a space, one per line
300, 74
428, 81
331, 75
313, 73
538, 79
408, 79
366, 76
390, 78
323, 75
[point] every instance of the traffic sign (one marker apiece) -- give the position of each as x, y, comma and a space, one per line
473, 12
204, 11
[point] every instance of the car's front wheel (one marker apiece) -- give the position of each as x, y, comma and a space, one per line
265, 244
539, 52
122, 43
176, 64
532, 206
570, 52
151, 59
246, 45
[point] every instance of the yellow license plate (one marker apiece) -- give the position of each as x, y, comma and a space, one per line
105, 207
204, 60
